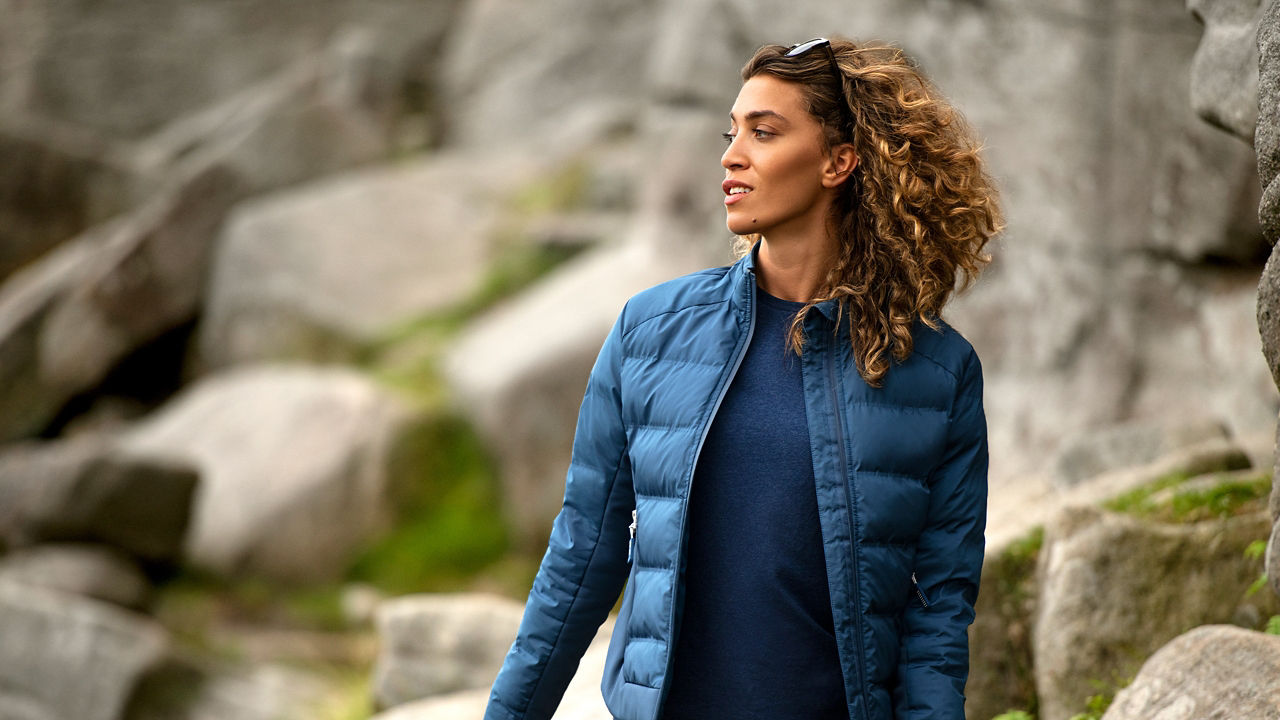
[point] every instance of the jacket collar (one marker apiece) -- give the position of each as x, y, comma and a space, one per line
744, 274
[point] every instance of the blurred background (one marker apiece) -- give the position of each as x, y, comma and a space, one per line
298, 301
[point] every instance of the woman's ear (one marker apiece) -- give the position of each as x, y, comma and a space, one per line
840, 164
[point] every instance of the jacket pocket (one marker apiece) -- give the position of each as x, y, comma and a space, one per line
920, 598
631, 541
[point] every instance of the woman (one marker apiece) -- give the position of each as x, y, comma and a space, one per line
785, 460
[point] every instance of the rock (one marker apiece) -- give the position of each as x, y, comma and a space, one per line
436, 644
65, 656
94, 571
497, 66
85, 489
1215, 672
582, 699
128, 69
1266, 139
196, 688
1224, 70
1001, 665
66, 320
1272, 559
287, 283
1113, 589
1269, 312
295, 466
54, 185
1090, 454
519, 372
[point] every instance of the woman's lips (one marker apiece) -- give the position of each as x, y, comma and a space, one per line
734, 191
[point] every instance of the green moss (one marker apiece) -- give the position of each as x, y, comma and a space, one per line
561, 191
447, 498
1138, 501
1224, 500
1231, 496
1273, 625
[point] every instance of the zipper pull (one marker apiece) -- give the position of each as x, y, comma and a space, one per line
919, 594
632, 530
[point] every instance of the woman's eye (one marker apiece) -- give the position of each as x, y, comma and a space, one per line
728, 137
761, 134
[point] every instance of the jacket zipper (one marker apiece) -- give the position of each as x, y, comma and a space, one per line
684, 512
924, 603
853, 540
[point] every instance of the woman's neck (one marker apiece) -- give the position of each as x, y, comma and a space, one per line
795, 268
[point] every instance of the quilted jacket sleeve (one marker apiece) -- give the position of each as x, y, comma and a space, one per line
934, 658
585, 565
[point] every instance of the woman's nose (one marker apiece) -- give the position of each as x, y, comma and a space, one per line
732, 157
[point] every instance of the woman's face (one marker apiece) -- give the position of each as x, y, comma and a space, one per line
775, 162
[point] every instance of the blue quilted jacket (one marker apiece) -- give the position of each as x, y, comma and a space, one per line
901, 481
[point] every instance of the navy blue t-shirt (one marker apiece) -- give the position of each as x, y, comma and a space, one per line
755, 639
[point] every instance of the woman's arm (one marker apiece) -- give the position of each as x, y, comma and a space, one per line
585, 565
934, 661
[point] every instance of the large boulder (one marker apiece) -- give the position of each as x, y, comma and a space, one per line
1113, 588
582, 699
85, 489
438, 644
1224, 70
95, 571
66, 320
127, 69
319, 272
1266, 139
519, 372
53, 185
65, 656
1215, 672
1089, 454
502, 55
295, 466
187, 687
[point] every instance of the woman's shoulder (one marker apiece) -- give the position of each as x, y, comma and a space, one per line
946, 347
696, 289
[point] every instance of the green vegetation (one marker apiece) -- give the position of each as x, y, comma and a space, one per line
1254, 551
448, 500
1273, 625
1095, 707
1015, 715
1012, 572
562, 191
1232, 496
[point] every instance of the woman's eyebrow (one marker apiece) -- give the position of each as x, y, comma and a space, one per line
757, 114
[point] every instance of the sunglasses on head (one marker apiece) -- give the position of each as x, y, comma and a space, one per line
801, 48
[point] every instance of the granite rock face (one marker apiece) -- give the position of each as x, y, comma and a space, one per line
1105, 600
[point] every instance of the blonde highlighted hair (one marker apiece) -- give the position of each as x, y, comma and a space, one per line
912, 221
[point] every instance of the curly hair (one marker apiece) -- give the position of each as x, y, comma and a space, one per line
916, 213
